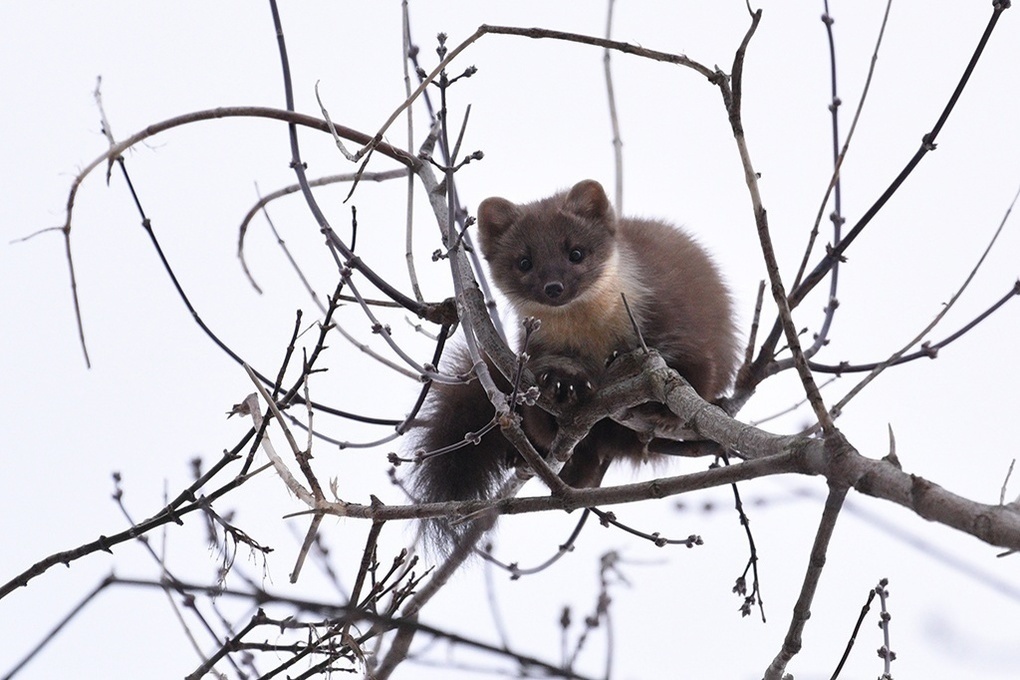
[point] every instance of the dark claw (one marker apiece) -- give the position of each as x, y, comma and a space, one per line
564, 385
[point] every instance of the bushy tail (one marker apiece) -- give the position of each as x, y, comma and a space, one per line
471, 472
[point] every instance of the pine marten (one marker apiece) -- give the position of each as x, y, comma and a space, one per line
566, 260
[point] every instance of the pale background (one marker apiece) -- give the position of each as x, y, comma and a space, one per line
158, 390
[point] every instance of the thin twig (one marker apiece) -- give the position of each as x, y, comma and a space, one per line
260, 206
516, 571
792, 407
853, 636
929, 350
613, 118
405, 42
367, 557
740, 587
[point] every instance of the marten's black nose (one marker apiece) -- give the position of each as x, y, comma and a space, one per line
554, 289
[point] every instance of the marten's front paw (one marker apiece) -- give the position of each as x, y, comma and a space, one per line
564, 386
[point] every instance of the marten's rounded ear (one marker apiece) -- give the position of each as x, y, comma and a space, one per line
495, 215
588, 199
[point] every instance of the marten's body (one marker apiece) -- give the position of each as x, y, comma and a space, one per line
566, 260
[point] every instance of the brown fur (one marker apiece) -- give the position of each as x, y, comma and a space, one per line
565, 260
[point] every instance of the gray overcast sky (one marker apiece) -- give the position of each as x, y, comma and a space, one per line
158, 390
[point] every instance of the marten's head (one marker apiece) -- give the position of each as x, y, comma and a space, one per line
551, 252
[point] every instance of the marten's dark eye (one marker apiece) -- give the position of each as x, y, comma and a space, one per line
524, 264
576, 255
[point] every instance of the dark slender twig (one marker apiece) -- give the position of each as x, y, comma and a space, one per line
277, 384
615, 45
837, 213
743, 373
516, 571
853, 636
367, 557
444, 333
928, 350
609, 519
740, 587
